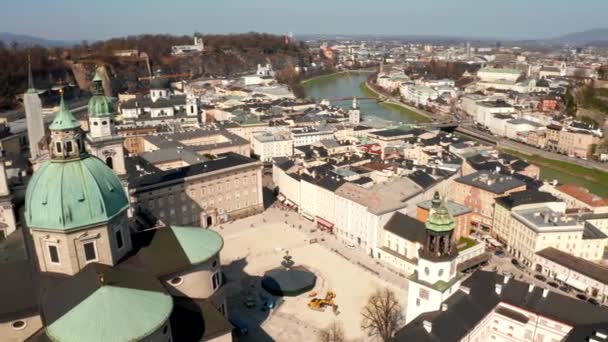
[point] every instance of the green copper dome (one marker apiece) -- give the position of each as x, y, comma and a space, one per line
99, 104
64, 120
440, 220
111, 305
73, 194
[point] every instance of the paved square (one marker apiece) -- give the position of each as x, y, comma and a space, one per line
253, 246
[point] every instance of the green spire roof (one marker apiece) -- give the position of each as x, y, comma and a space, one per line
75, 194
64, 120
99, 104
440, 220
436, 202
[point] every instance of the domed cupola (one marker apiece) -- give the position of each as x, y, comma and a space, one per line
66, 136
73, 190
101, 121
99, 104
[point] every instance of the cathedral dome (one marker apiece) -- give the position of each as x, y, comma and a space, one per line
102, 303
67, 195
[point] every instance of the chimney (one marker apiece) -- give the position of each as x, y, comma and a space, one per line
506, 279
465, 289
530, 288
498, 289
545, 292
428, 326
444, 307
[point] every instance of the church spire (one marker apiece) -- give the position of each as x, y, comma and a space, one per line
30, 77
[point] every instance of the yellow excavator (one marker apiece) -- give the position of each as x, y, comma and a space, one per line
320, 304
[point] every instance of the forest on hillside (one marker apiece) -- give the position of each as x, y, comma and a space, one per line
224, 56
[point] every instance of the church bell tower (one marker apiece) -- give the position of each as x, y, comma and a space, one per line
436, 277
102, 140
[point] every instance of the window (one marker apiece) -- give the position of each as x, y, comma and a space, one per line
68, 146
216, 280
119, 242
222, 309
214, 264
90, 254
58, 147
53, 254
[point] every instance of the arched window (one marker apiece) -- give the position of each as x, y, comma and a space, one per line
110, 162
68, 147
104, 123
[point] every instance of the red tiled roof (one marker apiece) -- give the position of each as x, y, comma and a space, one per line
583, 195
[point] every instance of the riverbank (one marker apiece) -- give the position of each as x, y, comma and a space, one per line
594, 180
401, 107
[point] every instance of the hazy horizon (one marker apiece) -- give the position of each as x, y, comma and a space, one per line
516, 19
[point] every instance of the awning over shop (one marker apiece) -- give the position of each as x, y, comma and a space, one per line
577, 284
308, 216
492, 241
324, 223
474, 261
289, 202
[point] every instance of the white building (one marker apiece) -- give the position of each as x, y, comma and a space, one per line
308, 135
269, 145
198, 46
494, 74
417, 94
361, 213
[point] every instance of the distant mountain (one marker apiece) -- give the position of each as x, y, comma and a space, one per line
584, 37
8, 38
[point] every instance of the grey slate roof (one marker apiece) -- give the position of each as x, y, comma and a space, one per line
406, 227
497, 183
465, 311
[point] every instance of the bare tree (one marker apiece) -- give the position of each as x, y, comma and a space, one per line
382, 315
332, 333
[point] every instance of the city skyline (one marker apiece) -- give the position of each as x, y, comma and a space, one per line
67, 20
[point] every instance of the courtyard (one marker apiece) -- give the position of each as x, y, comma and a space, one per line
257, 244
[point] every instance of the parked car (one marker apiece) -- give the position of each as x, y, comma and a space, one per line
582, 296
240, 327
540, 277
499, 253
565, 288
593, 301
553, 284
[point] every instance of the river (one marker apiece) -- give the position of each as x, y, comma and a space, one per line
343, 85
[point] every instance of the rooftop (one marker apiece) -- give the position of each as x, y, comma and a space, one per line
546, 219
381, 198
518, 198
406, 227
490, 181
454, 208
579, 265
583, 195
465, 311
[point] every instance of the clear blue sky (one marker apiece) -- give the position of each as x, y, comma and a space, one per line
98, 19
